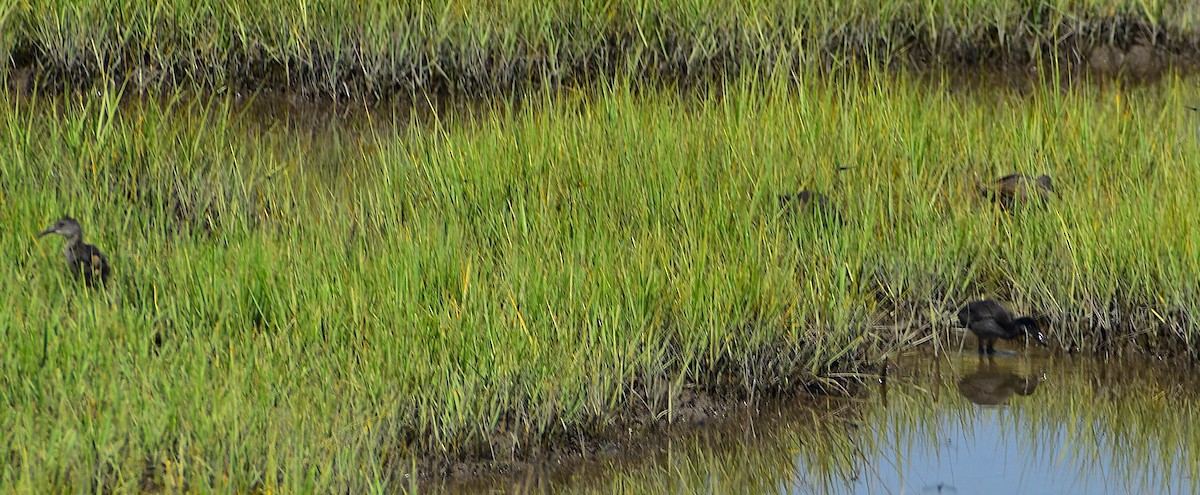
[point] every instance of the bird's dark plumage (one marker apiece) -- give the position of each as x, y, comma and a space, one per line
806, 200
84, 260
989, 321
1020, 187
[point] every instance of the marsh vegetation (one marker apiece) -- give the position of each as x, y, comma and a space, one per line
334, 309
562, 270
376, 49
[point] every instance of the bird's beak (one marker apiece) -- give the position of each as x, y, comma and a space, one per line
1192, 108
1041, 338
46, 232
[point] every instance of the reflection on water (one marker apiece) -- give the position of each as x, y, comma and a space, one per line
955, 423
993, 383
1028, 424
969, 424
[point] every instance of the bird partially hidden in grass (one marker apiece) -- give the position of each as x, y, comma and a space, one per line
805, 199
990, 321
1014, 188
808, 200
84, 260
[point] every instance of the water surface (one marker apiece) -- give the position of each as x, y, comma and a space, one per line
1018, 422
962, 423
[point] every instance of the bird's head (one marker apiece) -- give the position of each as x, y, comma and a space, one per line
1032, 329
66, 227
1045, 182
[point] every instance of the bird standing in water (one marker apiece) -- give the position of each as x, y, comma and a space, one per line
84, 260
989, 321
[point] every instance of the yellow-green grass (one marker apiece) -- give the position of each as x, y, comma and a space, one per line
364, 48
325, 310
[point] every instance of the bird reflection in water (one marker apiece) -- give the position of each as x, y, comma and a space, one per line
992, 384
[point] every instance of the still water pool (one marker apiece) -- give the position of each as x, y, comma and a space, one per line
1011, 424
951, 422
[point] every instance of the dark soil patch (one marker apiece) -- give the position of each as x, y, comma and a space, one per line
632, 439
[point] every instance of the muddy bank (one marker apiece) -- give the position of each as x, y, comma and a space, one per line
1117, 46
738, 428
628, 439
656, 410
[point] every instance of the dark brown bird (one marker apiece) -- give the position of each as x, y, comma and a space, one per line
804, 199
989, 321
84, 260
1014, 188
807, 200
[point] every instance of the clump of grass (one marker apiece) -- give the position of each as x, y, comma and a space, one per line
484, 287
363, 49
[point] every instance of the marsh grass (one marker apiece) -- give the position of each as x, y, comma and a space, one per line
325, 311
374, 48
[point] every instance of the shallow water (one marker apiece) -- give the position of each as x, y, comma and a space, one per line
1019, 422
1014, 424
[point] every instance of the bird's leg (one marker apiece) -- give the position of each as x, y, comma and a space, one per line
991, 347
981, 351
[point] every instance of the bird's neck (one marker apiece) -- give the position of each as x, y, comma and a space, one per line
73, 246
